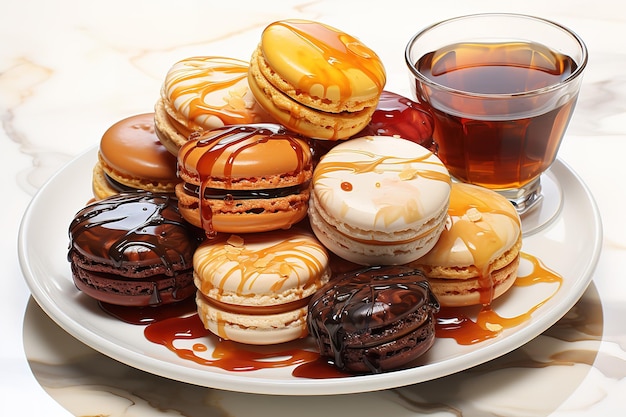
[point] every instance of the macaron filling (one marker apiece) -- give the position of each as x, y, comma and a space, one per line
230, 194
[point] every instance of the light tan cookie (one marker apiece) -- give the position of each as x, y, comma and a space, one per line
255, 288
201, 93
477, 255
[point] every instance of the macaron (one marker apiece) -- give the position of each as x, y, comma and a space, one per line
379, 200
316, 80
131, 157
477, 255
201, 93
375, 319
255, 288
244, 179
133, 249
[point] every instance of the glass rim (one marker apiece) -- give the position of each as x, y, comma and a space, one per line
422, 78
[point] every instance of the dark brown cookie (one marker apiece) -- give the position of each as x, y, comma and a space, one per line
374, 319
133, 249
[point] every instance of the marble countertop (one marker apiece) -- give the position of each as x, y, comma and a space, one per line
69, 69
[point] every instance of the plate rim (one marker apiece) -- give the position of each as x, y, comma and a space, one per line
358, 384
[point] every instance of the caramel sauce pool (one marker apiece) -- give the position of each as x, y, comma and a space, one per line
455, 323
169, 327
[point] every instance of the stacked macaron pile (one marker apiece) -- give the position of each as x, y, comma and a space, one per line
249, 179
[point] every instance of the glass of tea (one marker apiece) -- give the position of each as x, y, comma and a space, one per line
501, 89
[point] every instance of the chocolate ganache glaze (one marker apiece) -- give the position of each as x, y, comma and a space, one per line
374, 319
132, 249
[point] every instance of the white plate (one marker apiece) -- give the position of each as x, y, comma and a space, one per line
570, 246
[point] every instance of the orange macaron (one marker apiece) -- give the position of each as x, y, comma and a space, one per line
244, 179
131, 157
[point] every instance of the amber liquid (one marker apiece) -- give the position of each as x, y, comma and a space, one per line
505, 142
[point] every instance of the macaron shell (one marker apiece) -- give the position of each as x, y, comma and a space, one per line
381, 184
171, 133
301, 118
100, 186
247, 216
258, 329
149, 291
482, 226
243, 152
131, 154
377, 250
261, 269
322, 62
205, 92
467, 292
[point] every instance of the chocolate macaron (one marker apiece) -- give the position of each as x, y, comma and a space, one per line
133, 249
374, 319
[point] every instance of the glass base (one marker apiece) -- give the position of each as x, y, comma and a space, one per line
542, 208
526, 198
538, 203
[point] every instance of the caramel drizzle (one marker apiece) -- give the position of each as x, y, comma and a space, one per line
383, 163
191, 81
281, 259
340, 51
479, 238
453, 323
227, 355
380, 163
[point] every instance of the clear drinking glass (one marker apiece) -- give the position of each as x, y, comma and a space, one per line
501, 89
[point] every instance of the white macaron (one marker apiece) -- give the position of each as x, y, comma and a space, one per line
379, 200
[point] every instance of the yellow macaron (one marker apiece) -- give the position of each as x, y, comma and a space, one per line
316, 80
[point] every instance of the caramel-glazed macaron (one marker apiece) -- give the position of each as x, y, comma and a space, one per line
255, 288
244, 178
202, 93
131, 157
476, 257
315, 79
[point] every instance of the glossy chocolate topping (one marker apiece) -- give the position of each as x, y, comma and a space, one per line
370, 307
132, 232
